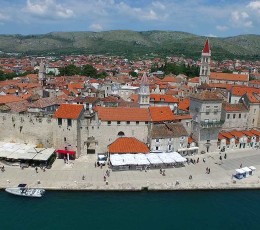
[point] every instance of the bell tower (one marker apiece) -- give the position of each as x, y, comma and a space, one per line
144, 92
205, 64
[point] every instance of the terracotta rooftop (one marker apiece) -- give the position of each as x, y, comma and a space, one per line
234, 107
163, 98
69, 111
184, 104
207, 96
159, 114
123, 114
229, 76
127, 145
10, 98
241, 90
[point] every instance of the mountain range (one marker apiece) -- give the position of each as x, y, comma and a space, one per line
132, 44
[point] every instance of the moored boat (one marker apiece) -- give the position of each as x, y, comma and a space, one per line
23, 190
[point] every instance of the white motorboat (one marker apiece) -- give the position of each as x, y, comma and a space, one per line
23, 190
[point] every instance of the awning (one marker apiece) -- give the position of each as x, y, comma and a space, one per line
64, 151
188, 149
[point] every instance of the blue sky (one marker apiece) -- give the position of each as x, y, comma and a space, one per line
219, 18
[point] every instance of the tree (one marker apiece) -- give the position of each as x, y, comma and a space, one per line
89, 70
70, 70
133, 74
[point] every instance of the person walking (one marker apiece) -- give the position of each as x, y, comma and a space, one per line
36, 169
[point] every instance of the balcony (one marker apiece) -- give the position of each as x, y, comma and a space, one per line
211, 124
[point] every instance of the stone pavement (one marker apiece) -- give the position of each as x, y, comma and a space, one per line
69, 176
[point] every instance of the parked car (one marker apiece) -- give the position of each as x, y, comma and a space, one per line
101, 159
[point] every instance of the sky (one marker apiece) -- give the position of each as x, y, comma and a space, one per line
213, 18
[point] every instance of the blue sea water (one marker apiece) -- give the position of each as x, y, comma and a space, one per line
220, 210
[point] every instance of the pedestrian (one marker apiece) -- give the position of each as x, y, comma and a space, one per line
64, 158
190, 177
225, 156
204, 160
101, 166
105, 178
36, 169
83, 177
95, 164
160, 170
209, 170
241, 165
198, 160
220, 158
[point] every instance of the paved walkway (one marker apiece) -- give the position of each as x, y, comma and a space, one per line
64, 176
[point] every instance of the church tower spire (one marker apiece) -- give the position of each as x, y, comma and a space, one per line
42, 73
144, 92
205, 63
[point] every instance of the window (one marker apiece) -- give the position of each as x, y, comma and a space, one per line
146, 122
215, 109
121, 134
157, 140
170, 147
239, 115
69, 122
234, 116
137, 122
118, 122
254, 111
59, 121
109, 122
128, 122
228, 116
187, 124
156, 148
207, 110
65, 139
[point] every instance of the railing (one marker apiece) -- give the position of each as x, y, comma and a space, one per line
211, 124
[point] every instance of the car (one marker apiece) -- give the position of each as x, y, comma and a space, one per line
101, 159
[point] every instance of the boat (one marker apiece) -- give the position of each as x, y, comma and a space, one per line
23, 190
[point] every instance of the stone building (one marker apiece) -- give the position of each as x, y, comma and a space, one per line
205, 108
235, 116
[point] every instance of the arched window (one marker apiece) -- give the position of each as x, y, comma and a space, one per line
121, 134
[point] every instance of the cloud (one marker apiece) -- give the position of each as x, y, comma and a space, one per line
48, 8
211, 35
96, 27
255, 5
240, 19
4, 17
222, 28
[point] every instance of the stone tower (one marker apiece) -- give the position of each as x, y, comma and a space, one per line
42, 73
205, 64
144, 92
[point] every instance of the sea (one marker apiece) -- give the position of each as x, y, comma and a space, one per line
234, 209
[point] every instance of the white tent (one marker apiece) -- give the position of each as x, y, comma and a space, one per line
141, 159
177, 157
129, 159
153, 158
166, 159
116, 160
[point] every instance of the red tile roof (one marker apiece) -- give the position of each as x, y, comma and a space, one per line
241, 90
234, 107
206, 48
163, 98
161, 114
127, 145
184, 104
123, 114
229, 76
10, 98
69, 111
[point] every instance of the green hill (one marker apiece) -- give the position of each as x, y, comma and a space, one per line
131, 44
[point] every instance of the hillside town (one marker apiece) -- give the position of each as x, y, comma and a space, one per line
124, 113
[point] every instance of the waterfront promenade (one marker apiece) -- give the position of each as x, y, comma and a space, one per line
69, 176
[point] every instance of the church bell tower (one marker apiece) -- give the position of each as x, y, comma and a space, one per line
205, 64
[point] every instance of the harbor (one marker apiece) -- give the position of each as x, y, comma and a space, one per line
84, 174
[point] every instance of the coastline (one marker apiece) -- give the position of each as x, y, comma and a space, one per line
62, 177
